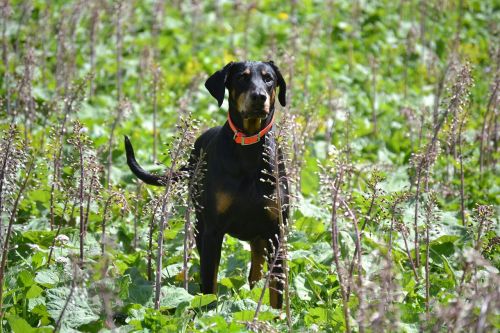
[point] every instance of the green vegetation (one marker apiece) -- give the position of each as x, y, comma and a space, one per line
393, 140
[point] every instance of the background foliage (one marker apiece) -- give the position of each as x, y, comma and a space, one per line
400, 98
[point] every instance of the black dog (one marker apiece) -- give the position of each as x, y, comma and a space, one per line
233, 198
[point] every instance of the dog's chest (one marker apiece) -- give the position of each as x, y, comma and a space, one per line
240, 193
245, 208
243, 192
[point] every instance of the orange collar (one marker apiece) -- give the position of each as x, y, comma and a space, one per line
241, 138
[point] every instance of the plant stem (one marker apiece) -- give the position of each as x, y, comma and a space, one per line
57, 233
408, 253
367, 217
103, 223
68, 299
5, 54
185, 257
94, 21
155, 111
136, 213
427, 252
161, 227
360, 266
13, 214
283, 233
415, 223
119, 39
116, 121
81, 199
2, 177
462, 190
165, 215
336, 251
150, 243
491, 105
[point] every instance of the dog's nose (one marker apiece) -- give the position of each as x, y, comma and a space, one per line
259, 96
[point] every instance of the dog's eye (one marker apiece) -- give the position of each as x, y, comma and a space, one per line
243, 76
268, 78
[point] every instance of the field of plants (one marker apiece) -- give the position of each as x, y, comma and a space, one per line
392, 141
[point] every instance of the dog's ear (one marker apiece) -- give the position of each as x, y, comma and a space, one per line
281, 83
216, 83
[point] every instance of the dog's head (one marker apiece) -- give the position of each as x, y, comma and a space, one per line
251, 85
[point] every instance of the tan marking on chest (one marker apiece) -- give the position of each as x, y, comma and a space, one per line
272, 208
251, 125
222, 202
272, 213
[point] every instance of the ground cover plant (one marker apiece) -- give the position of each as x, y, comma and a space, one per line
391, 134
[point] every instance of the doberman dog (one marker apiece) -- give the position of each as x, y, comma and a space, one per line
237, 194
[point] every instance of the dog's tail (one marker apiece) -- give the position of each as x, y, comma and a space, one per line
142, 174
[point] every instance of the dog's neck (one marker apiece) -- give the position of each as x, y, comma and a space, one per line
252, 126
249, 126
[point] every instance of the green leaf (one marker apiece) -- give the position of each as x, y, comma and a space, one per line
37, 306
34, 292
444, 239
78, 311
171, 297
444, 245
142, 289
449, 270
25, 278
233, 282
41, 238
300, 288
38, 259
47, 278
316, 315
310, 225
124, 283
18, 325
396, 181
309, 178
202, 300
245, 315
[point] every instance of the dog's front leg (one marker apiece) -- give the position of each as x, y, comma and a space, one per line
209, 260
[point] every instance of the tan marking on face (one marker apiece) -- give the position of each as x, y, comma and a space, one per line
222, 202
246, 71
267, 103
258, 258
273, 96
241, 102
263, 72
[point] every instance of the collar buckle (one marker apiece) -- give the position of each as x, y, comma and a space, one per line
250, 143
